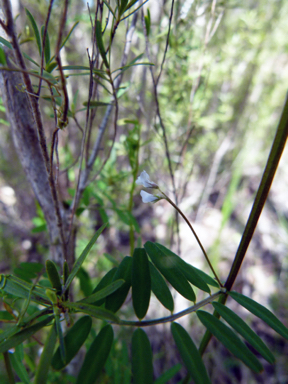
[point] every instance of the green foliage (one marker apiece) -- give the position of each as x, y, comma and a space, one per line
142, 367
196, 99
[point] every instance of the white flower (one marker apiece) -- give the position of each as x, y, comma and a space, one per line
144, 179
149, 198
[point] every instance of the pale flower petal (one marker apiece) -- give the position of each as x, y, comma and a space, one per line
147, 197
144, 179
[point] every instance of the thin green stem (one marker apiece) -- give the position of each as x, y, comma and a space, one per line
195, 235
174, 317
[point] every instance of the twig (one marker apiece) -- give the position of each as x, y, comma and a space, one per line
167, 42
44, 42
60, 69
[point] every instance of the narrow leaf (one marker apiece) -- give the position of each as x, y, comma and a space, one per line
116, 299
24, 334
19, 368
47, 53
82, 257
166, 265
46, 357
92, 310
141, 282
35, 30
2, 56
188, 271
168, 375
104, 282
142, 367
100, 44
244, 330
73, 341
96, 356
160, 289
190, 354
230, 340
53, 276
94, 104
260, 311
21, 288
60, 338
109, 7
103, 292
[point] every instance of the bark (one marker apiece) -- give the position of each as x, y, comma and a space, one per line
26, 141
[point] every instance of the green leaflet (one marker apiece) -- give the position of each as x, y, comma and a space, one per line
82, 257
142, 367
85, 281
124, 271
60, 336
168, 375
35, 30
160, 288
2, 56
190, 354
47, 53
260, 311
92, 310
141, 282
19, 368
53, 276
100, 43
244, 330
230, 340
21, 288
103, 292
24, 334
188, 271
104, 282
46, 357
96, 356
73, 341
167, 266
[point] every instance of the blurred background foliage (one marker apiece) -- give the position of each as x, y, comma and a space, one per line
221, 91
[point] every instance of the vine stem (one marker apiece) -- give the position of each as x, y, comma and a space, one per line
176, 316
195, 235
